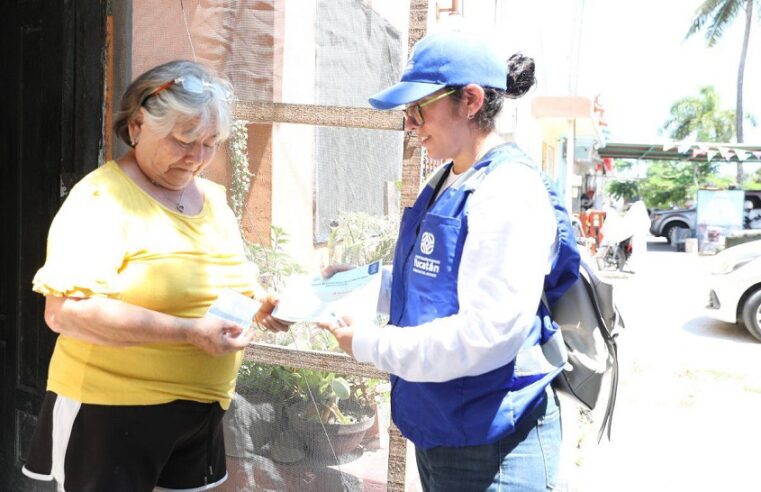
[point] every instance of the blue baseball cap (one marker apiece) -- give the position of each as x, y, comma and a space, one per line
441, 59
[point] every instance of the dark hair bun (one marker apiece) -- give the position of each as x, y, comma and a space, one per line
520, 75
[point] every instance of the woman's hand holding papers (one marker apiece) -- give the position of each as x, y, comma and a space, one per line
218, 336
264, 319
341, 328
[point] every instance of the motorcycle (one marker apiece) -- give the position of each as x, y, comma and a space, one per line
614, 255
620, 235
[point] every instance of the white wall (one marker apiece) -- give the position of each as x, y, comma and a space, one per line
293, 145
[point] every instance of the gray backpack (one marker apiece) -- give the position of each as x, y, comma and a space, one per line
589, 320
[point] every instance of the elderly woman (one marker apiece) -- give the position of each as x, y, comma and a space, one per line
139, 251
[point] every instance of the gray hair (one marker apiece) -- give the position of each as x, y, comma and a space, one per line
175, 104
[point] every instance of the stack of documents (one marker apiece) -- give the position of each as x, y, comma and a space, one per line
353, 292
234, 306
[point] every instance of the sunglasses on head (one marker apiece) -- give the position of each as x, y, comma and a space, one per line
190, 83
415, 115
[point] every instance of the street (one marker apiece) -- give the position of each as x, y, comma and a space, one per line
688, 396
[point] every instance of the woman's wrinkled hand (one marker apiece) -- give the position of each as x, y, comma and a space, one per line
343, 329
219, 337
264, 317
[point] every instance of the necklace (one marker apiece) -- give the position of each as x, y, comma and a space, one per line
178, 203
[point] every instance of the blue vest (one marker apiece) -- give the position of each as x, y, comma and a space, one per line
479, 409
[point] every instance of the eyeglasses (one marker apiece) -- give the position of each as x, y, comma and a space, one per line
191, 84
414, 113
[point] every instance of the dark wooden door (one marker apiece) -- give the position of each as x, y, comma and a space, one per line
50, 135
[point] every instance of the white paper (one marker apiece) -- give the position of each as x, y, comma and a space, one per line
234, 306
353, 293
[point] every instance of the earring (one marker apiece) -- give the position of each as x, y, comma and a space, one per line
470, 116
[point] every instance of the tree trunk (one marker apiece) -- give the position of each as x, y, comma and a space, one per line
740, 73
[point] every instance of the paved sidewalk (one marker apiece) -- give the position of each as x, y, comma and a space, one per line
689, 395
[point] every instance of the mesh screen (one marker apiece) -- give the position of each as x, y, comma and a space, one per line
318, 195
357, 52
333, 52
278, 438
354, 166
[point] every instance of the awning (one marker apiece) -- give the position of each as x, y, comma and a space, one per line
554, 112
679, 151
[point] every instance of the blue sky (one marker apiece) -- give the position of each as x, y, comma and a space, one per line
635, 55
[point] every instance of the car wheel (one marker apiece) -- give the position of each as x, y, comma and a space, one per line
674, 232
751, 314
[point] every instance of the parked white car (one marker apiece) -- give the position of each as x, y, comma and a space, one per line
735, 286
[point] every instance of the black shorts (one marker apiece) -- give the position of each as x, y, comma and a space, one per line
172, 446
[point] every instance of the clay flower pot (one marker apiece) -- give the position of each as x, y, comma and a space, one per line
344, 437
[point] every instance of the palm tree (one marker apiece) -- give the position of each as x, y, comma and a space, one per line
701, 118
714, 16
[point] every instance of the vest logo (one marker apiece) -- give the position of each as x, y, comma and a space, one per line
426, 266
426, 243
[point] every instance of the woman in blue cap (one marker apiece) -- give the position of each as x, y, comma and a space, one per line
470, 345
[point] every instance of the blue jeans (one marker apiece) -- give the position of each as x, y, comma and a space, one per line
525, 461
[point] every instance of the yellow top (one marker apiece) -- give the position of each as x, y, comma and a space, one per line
110, 238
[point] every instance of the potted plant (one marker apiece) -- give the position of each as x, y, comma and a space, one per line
293, 414
321, 409
370, 394
324, 415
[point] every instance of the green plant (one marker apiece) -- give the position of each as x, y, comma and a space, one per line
275, 264
626, 190
369, 392
675, 183
328, 390
267, 379
325, 389
357, 238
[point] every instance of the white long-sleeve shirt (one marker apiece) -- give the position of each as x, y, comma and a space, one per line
507, 253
